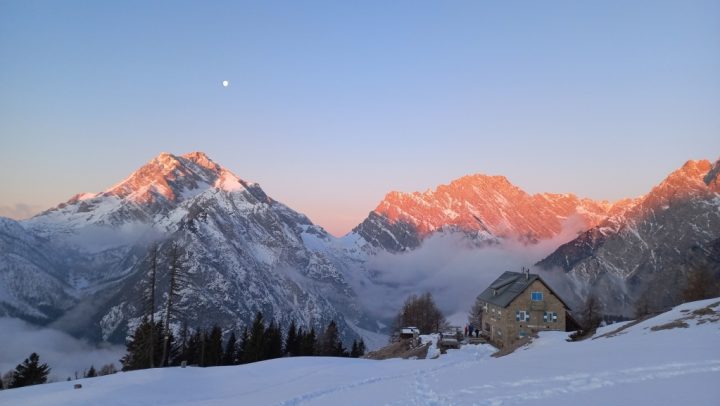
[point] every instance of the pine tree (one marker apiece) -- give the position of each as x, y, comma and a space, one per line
182, 352
361, 348
194, 348
230, 354
254, 349
242, 345
330, 344
177, 280
291, 342
30, 372
354, 349
309, 344
150, 300
272, 343
213, 347
91, 373
107, 369
138, 354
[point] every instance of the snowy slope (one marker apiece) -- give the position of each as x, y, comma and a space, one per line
80, 266
647, 250
637, 366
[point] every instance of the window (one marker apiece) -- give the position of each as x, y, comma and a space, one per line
522, 315
536, 296
522, 333
550, 317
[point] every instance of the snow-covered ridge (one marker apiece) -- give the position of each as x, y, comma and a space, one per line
244, 251
638, 366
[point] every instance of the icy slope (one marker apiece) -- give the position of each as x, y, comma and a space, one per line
639, 365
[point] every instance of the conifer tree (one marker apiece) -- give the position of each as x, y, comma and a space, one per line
194, 348
361, 348
91, 373
107, 369
354, 349
30, 372
292, 345
255, 345
230, 354
242, 345
272, 343
150, 300
213, 347
330, 344
172, 295
136, 356
309, 343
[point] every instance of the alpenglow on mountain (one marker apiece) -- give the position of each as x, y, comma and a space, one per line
81, 265
482, 207
648, 251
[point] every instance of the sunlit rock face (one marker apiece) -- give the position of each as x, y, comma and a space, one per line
242, 251
485, 208
648, 250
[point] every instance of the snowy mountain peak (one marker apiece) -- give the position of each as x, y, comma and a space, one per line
147, 196
483, 206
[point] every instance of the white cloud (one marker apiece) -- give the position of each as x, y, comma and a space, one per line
62, 352
453, 271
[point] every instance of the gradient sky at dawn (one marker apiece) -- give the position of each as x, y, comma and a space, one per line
332, 104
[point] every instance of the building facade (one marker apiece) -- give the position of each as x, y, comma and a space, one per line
517, 304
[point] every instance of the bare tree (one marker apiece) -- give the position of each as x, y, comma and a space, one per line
701, 284
421, 312
591, 313
475, 316
150, 300
177, 280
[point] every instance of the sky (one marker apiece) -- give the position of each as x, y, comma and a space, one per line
333, 104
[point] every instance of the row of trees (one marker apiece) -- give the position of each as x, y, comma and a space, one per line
206, 348
153, 344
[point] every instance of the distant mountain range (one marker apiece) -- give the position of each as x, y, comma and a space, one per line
82, 266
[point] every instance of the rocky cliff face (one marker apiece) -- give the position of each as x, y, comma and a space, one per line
242, 252
485, 208
647, 249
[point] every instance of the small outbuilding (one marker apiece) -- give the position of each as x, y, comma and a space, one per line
518, 304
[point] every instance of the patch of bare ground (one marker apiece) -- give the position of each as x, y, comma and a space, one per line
669, 326
703, 315
400, 349
514, 346
621, 329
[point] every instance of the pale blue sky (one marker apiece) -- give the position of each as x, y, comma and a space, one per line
332, 104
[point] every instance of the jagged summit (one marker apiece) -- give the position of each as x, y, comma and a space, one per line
488, 206
171, 177
149, 194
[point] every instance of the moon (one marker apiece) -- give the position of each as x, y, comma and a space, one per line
225, 83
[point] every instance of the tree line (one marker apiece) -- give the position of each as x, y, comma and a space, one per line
153, 344
205, 348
